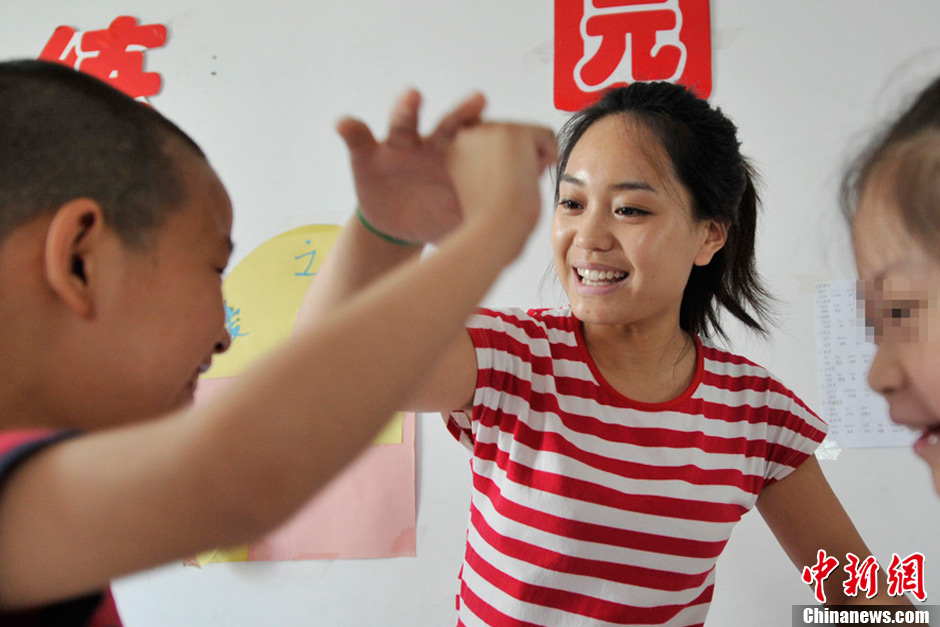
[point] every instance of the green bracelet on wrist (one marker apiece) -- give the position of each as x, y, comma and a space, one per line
385, 236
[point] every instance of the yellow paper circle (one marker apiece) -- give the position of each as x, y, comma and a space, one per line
264, 292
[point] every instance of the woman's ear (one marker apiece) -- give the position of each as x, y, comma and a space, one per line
716, 234
74, 235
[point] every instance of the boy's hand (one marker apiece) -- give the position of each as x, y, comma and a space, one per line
496, 169
403, 184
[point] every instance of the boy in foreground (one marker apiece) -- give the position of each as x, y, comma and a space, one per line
114, 231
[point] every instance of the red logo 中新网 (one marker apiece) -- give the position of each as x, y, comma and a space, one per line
904, 575
114, 54
606, 43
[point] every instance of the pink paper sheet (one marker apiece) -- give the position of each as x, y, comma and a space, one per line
368, 511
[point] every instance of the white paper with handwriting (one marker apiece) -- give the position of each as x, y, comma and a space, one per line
857, 416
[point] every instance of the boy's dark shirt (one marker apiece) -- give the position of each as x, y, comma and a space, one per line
95, 610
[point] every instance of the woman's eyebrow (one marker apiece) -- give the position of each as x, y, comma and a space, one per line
623, 185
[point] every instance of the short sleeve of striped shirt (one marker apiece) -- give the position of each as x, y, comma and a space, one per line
801, 433
766, 409
505, 342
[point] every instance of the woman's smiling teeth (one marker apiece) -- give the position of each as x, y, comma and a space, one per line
600, 277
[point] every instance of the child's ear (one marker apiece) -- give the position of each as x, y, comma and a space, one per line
715, 237
74, 233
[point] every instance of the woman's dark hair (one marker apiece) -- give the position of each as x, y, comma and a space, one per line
703, 148
65, 135
910, 150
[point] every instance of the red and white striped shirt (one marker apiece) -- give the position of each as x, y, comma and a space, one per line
590, 508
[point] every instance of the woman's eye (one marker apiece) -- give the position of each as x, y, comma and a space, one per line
630, 212
567, 203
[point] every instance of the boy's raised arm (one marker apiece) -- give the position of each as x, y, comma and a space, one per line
89, 509
406, 191
403, 188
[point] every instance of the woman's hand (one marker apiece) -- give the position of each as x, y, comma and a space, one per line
403, 183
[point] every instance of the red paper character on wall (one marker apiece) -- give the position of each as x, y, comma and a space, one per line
605, 43
907, 575
115, 54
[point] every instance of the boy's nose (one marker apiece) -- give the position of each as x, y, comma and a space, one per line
225, 341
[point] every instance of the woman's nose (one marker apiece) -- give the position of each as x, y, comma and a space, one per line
593, 231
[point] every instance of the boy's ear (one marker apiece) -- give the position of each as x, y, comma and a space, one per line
74, 233
715, 238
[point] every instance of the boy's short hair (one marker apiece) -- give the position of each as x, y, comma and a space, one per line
66, 135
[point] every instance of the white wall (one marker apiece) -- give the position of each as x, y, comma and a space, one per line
802, 79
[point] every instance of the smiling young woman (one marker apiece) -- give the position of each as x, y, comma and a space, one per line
613, 446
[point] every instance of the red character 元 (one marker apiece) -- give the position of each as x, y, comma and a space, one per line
605, 43
114, 55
